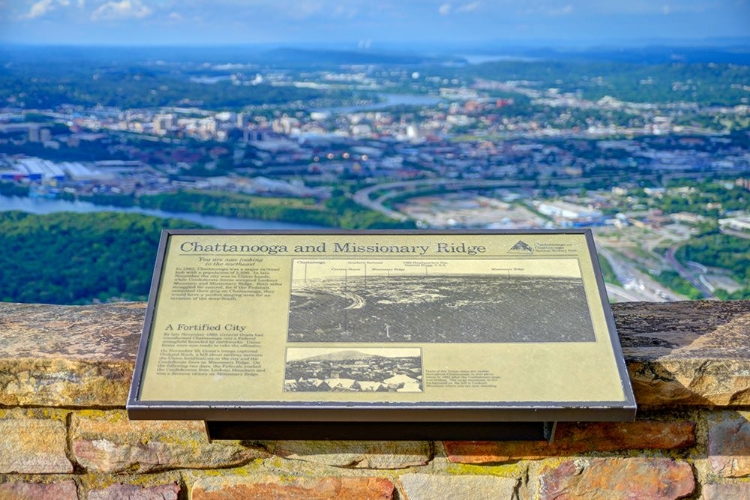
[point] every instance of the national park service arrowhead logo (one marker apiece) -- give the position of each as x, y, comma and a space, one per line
521, 247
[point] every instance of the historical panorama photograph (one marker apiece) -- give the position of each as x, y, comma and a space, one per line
434, 307
353, 370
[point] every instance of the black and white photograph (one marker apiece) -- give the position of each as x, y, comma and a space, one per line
434, 301
353, 370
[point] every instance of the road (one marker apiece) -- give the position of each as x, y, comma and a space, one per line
357, 301
732, 232
682, 271
400, 187
637, 286
619, 294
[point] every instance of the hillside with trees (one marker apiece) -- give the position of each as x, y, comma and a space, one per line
66, 258
339, 211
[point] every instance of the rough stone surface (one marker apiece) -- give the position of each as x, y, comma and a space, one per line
93, 333
357, 454
133, 492
430, 487
109, 442
571, 438
33, 446
729, 444
72, 356
617, 479
736, 491
63, 490
53, 358
690, 382
687, 353
339, 488
63, 383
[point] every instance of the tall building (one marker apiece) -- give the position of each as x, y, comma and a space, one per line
34, 134
163, 124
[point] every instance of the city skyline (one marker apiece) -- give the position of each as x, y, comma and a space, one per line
369, 25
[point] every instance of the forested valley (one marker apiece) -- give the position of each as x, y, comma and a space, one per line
65, 258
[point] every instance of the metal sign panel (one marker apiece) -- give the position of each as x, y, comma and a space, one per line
400, 327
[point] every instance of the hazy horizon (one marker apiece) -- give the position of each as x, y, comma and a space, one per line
377, 26
421, 46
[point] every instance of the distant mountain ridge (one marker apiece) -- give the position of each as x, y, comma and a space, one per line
730, 50
330, 56
349, 355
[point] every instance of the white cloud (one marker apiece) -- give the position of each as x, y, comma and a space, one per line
550, 11
302, 10
176, 17
44, 7
447, 8
563, 11
40, 8
124, 9
346, 12
469, 7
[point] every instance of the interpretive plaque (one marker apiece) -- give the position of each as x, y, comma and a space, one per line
388, 335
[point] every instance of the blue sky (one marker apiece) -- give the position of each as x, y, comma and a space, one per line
372, 22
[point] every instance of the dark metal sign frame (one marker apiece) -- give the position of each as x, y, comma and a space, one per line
449, 268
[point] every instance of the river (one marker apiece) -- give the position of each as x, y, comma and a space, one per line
48, 206
390, 100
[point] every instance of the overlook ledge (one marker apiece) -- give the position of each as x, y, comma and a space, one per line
64, 433
694, 354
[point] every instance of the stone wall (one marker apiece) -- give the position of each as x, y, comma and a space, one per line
65, 373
